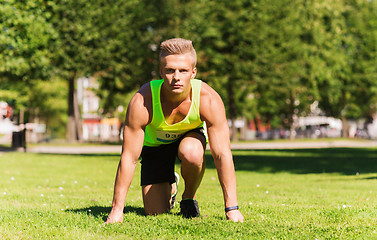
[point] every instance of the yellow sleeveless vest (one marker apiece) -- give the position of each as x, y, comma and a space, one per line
158, 132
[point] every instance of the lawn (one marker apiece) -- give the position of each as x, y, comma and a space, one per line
283, 194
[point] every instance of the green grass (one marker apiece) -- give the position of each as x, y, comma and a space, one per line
305, 140
283, 194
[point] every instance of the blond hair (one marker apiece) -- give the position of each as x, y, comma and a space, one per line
176, 46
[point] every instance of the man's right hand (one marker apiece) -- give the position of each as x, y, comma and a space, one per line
114, 216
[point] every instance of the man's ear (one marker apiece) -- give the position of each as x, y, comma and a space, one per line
194, 71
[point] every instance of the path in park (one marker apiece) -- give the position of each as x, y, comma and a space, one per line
249, 145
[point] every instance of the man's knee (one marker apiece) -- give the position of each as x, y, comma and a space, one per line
191, 153
156, 198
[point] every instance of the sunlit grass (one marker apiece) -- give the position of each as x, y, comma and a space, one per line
283, 194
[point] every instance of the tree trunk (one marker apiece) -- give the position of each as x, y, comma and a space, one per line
73, 124
243, 129
233, 130
232, 113
292, 117
22, 116
77, 117
292, 130
345, 128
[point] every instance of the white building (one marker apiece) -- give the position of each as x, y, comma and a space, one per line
95, 127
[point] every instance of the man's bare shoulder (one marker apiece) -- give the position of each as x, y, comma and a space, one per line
208, 94
211, 104
140, 107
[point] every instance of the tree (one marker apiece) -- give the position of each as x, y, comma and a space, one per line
24, 39
47, 104
336, 48
104, 39
274, 59
25, 64
362, 26
285, 87
131, 57
222, 33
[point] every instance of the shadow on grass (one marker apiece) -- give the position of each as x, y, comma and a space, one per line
103, 212
4, 148
347, 161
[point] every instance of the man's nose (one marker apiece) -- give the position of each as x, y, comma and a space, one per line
176, 74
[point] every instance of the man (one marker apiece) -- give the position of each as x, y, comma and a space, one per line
164, 120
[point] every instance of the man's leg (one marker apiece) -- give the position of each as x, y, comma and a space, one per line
157, 174
191, 153
156, 198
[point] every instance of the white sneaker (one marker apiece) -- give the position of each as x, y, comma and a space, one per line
174, 195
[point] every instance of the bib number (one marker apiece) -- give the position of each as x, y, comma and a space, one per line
168, 136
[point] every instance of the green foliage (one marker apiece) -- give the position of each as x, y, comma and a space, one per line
283, 194
273, 59
267, 59
363, 28
127, 56
333, 46
44, 101
106, 40
13, 93
282, 70
25, 35
48, 101
25, 59
222, 33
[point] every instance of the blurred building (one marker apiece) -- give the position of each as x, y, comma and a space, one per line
372, 127
95, 127
319, 127
6, 124
6, 111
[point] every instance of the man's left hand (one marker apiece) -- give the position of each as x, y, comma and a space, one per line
235, 216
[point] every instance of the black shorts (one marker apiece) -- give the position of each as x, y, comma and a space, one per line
157, 163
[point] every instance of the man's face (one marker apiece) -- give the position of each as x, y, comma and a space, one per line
177, 71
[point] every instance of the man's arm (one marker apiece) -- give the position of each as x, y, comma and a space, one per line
133, 135
213, 113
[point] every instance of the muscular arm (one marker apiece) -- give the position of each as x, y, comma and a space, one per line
137, 118
213, 113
